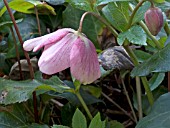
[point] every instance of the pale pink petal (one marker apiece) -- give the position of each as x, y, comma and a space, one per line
51, 38
83, 61
57, 57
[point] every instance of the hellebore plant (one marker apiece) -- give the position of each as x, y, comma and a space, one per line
66, 48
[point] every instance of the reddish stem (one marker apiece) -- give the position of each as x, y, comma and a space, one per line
17, 53
27, 58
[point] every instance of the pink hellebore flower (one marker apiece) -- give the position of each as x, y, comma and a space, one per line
67, 48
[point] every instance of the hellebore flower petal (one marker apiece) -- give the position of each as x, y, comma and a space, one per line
57, 57
51, 38
83, 61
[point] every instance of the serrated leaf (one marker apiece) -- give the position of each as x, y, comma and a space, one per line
96, 122
159, 62
117, 14
19, 91
159, 115
28, 7
79, 120
135, 35
91, 25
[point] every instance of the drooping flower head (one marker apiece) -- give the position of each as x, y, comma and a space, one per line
154, 20
66, 48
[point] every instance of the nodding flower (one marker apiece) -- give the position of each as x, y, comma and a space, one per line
66, 48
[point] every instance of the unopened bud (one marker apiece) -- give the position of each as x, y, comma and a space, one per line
154, 20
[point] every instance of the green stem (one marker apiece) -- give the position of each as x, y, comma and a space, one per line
147, 89
144, 80
114, 32
38, 21
128, 99
84, 104
139, 99
157, 43
99, 18
167, 29
134, 12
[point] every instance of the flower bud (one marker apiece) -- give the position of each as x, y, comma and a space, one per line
154, 20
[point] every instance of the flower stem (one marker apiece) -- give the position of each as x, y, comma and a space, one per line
134, 12
27, 58
128, 99
157, 43
81, 21
144, 80
38, 21
99, 18
20, 39
84, 104
167, 29
139, 99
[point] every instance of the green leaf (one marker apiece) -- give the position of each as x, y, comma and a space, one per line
159, 115
72, 98
59, 126
14, 116
4, 66
159, 1
140, 13
9, 23
86, 5
135, 35
102, 2
156, 80
115, 124
141, 55
52, 21
159, 62
79, 120
117, 14
91, 26
95, 91
28, 7
96, 122
19, 91
67, 112
55, 2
